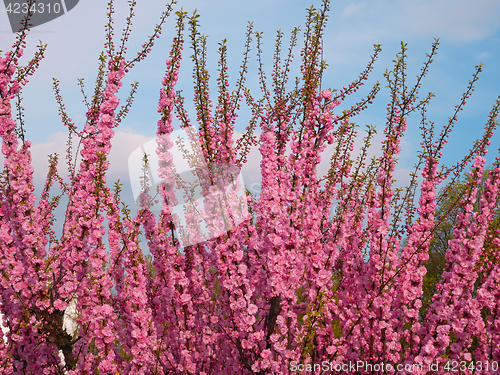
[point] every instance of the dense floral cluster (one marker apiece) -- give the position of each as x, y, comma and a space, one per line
316, 269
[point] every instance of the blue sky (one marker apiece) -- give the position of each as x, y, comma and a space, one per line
469, 33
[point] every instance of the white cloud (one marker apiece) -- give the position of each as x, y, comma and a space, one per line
386, 21
123, 144
457, 20
484, 55
352, 9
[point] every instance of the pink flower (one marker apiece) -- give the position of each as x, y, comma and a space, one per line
323, 277
60, 305
265, 353
252, 309
185, 298
326, 94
